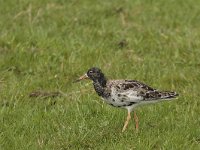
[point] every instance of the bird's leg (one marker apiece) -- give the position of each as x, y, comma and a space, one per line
136, 121
127, 121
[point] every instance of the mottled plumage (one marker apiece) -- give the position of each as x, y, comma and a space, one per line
125, 93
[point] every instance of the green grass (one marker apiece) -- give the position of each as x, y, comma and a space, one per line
45, 45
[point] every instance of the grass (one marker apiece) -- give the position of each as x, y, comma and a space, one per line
45, 45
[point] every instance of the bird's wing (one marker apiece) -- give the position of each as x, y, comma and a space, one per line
133, 91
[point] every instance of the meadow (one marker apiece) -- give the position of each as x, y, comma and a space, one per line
45, 45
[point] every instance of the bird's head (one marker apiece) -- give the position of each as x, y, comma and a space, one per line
94, 74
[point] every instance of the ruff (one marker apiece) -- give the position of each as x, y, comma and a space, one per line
125, 93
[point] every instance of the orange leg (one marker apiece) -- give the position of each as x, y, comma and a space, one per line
136, 121
127, 121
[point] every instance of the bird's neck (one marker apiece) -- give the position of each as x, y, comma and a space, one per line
100, 87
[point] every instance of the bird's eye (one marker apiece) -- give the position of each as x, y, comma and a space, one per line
90, 71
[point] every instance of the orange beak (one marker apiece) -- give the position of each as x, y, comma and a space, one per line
82, 78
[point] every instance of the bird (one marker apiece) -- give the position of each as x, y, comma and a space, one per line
125, 93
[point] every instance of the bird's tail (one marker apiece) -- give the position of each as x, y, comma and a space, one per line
168, 95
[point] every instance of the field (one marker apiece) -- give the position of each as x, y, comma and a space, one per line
45, 45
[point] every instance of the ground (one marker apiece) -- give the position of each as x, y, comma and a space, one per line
45, 45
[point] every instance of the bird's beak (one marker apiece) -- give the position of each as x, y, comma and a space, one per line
85, 76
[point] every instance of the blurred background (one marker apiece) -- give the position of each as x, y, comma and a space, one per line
45, 45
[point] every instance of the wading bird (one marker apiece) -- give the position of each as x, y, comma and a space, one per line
125, 93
